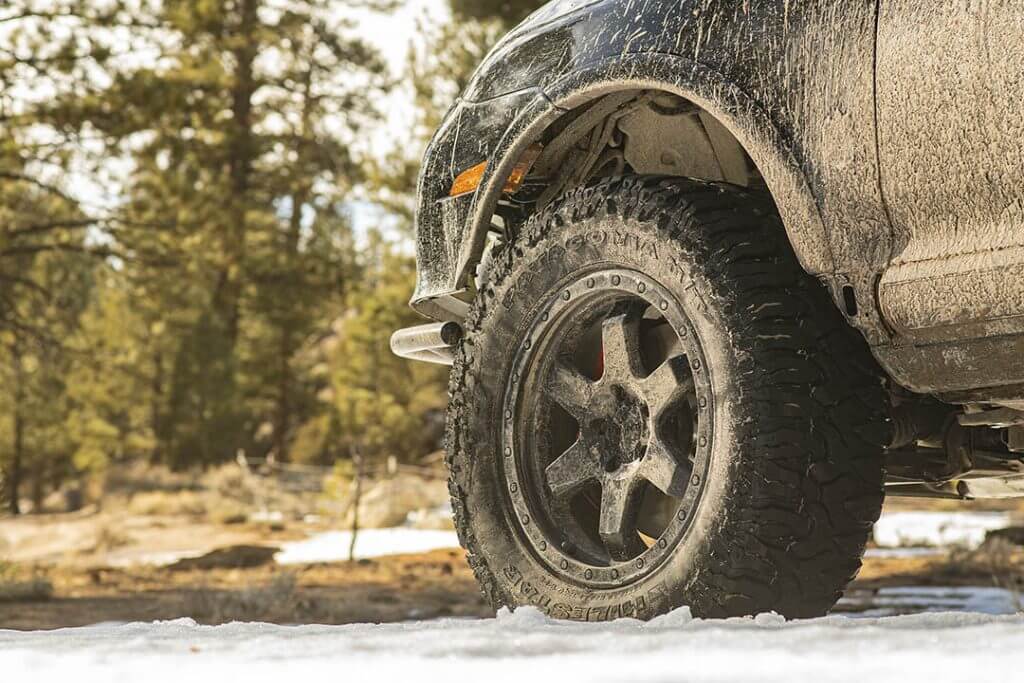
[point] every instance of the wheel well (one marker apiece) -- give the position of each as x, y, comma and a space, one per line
648, 132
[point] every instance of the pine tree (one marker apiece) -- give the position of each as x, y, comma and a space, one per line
233, 230
384, 403
509, 12
45, 278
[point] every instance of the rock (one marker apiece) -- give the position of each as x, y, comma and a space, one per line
234, 557
1013, 535
388, 503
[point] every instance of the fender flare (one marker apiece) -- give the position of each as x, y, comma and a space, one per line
748, 122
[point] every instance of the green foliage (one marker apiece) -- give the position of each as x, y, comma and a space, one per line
114, 369
218, 300
383, 402
509, 12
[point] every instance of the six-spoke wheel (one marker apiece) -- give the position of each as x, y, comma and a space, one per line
603, 433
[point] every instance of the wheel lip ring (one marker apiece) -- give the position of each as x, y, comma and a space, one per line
606, 278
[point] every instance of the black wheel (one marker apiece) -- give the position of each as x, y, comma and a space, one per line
654, 406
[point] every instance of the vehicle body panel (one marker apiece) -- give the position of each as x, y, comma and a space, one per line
950, 86
794, 82
741, 62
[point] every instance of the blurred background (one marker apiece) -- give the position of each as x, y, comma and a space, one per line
205, 244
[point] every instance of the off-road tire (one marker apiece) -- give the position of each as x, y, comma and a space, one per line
795, 482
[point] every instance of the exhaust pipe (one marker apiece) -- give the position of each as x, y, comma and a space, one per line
433, 343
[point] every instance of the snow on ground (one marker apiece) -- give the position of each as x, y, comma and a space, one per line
933, 529
888, 553
897, 600
896, 534
527, 646
333, 546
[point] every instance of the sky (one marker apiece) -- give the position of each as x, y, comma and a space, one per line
392, 33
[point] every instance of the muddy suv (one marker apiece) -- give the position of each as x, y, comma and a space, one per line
715, 277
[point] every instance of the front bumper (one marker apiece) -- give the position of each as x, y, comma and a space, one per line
471, 134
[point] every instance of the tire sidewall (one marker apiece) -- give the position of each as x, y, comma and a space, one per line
537, 269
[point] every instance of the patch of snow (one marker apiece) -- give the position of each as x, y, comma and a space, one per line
888, 553
158, 559
333, 546
265, 515
528, 646
431, 517
937, 529
917, 599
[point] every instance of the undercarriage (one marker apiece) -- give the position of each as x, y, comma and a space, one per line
956, 452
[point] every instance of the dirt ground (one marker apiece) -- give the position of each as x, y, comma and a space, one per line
112, 566
396, 588
387, 589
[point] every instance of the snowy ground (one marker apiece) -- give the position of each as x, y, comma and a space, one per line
957, 634
903, 600
333, 546
898, 534
937, 529
526, 646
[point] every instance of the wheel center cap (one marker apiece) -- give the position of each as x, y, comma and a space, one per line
618, 429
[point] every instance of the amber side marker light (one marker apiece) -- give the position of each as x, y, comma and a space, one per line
469, 180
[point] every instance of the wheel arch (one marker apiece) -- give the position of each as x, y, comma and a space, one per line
749, 124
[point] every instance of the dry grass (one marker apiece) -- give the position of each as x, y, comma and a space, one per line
260, 603
997, 558
31, 590
15, 587
109, 537
168, 503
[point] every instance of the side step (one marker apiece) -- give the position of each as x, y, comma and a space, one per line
433, 343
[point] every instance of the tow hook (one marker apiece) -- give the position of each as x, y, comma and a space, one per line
433, 343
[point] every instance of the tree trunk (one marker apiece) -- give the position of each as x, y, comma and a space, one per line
37, 489
286, 347
18, 450
241, 152
156, 408
357, 496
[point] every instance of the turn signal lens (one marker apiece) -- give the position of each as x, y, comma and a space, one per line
469, 180
519, 173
